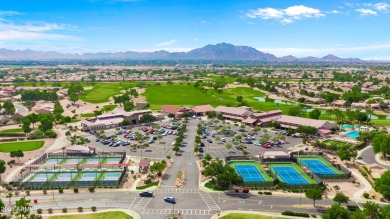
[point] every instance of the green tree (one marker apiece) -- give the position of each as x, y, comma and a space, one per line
345, 153
383, 184
176, 149
9, 108
296, 111
128, 106
9, 196
315, 114
26, 126
341, 198
314, 194
18, 154
33, 118
381, 144
371, 210
2, 167
22, 207
336, 212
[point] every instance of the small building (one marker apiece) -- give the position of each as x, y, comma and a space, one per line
274, 156
338, 103
323, 126
107, 121
202, 109
144, 166
175, 110
233, 113
359, 106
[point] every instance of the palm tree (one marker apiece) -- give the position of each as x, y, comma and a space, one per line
369, 112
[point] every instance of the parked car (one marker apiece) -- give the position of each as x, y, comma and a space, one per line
223, 139
146, 194
209, 141
98, 139
249, 142
170, 199
201, 150
119, 133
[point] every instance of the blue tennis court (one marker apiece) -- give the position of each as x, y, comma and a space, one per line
72, 161
290, 176
88, 177
113, 160
65, 177
250, 173
318, 167
42, 177
94, 160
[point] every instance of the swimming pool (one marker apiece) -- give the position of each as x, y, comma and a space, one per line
352, 135
348, 127
261, 99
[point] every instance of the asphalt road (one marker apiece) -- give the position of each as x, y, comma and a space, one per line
368, 157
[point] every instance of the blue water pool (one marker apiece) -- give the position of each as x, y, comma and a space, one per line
261, 99
352, 134
348, 127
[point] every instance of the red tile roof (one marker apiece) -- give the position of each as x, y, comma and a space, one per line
172, 109
202, 108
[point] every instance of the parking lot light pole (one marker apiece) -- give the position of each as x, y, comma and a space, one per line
173, 210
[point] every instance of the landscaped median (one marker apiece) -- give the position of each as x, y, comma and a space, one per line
117, 214
248, 215
24, 146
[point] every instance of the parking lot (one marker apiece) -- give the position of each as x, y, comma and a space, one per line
215, 142
158, 148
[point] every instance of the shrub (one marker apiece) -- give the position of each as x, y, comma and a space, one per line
366, 195
93, 208
61, 190
64, 210
44, 191
260, 193
246, 190
80, 209
236, 190
91, 189
352, 207
296, 214
76, 190
267, 193
39, 211
313, 215
50, 210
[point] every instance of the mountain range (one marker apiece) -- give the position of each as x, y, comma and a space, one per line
220, 51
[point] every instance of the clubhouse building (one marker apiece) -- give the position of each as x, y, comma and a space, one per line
107, 121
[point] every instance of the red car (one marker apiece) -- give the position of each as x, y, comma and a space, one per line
265, 146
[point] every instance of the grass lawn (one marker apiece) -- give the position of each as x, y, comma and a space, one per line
102, 91
74, 120
24, 146
12, 130
147, 186
249, 216
187, 95
87, 115
104, 215
108, 108
214, 187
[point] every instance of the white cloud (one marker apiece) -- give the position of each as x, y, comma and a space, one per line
364, 11
167, 43
31, 31
195, 39
9, 13
287, 15
335, 12
382, 6
265, 13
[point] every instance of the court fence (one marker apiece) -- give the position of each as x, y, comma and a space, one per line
237, 158
283, 184
345, 175
38, 166
260, 184
99, 181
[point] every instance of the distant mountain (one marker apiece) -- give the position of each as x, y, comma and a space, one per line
220, 52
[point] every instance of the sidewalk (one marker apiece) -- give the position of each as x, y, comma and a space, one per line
271, 214
132, 213
382, 162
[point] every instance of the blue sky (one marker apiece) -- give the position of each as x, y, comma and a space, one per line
282, 27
